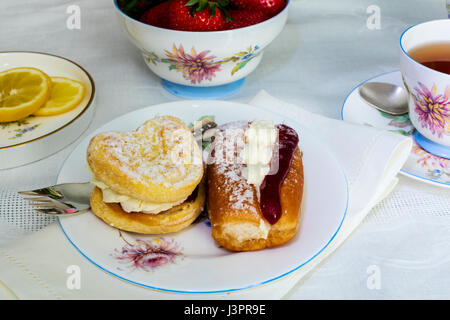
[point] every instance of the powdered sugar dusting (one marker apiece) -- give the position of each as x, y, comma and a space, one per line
226, 156
161, 151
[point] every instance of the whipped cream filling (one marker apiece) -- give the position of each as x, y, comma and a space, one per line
264, 228
130, 204
260, 138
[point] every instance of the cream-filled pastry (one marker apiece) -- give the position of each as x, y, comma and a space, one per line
130, 204
148, 180
255, 185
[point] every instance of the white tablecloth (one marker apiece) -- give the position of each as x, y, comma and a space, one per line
325, 50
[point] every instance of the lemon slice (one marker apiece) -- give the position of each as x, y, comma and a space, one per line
65, 95
22, 92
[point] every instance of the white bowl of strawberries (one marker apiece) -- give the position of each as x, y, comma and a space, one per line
202, 48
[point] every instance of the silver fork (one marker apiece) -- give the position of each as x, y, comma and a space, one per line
61, 199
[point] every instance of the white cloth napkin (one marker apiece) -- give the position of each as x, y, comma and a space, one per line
36, 266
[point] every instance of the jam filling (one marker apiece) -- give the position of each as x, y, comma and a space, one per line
270, 201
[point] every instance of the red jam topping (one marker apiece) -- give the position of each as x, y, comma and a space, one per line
270, 201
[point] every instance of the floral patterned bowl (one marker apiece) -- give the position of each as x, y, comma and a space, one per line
202, 59
429, 90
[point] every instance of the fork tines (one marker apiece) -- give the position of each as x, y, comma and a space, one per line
46, 205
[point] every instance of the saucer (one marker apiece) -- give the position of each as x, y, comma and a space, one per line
421, 165
34, 138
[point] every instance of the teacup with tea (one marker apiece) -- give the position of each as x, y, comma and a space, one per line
425, 68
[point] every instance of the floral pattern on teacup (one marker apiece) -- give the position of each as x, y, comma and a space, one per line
433, 109
198, 67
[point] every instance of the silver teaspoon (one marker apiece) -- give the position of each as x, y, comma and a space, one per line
386, 97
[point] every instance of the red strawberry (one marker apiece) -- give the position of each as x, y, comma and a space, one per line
140, 4
268, 7
244, 17
157, 16
194, 15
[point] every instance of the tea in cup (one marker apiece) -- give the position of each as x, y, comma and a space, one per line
425, 68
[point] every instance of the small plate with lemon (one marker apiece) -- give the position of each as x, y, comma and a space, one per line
46, 102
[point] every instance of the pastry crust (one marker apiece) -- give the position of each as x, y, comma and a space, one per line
172, 220
160, 162
233, 208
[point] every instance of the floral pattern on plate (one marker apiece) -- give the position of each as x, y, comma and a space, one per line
147, 255
16, 129
198, 67
437, 168
400, 124
197, 270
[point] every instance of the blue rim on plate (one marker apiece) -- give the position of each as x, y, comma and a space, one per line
226, 290
210, 292
218, 291
403, 171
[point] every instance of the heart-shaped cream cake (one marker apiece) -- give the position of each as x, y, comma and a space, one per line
159, 163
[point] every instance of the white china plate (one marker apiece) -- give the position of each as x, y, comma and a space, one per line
421, 165
203, 267
34, 138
